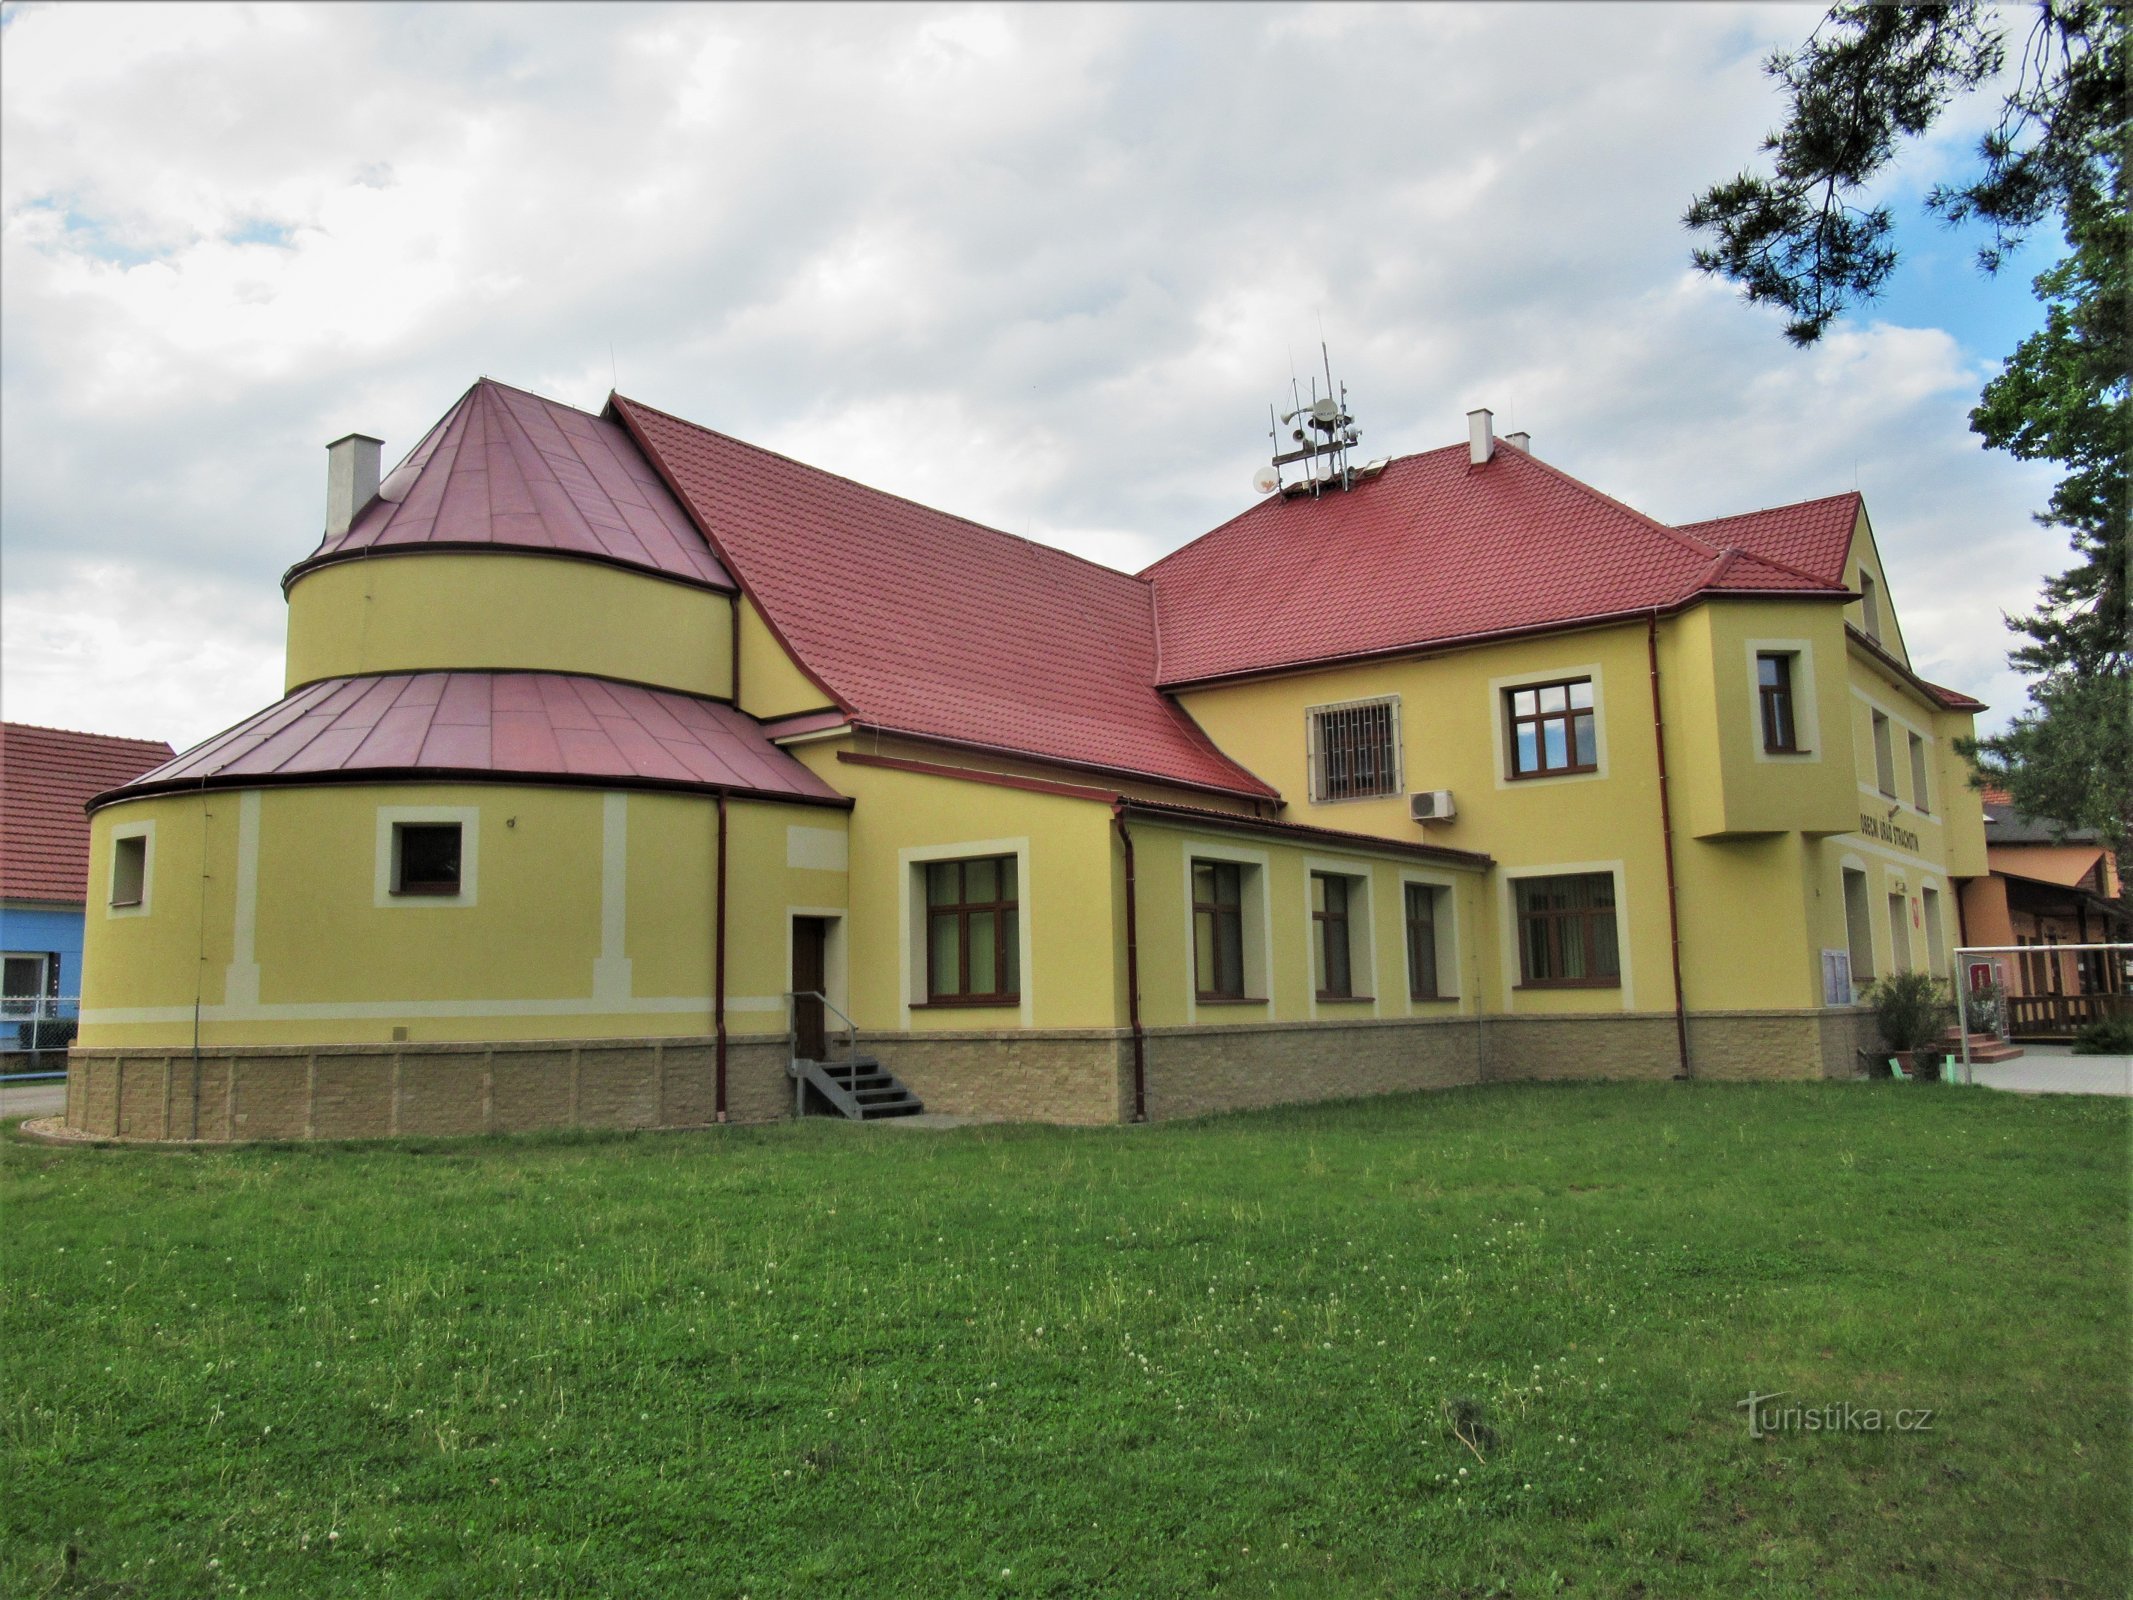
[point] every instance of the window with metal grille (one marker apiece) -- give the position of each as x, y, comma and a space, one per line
1355, 749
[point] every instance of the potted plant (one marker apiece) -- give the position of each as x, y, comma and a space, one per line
1913, 1010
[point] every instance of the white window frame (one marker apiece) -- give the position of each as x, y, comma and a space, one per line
1314, 749
1446, 928
34, 1000
1500, 691
145, 831
1362, 948
1257, 916
911, 926
392, 818
1806, 723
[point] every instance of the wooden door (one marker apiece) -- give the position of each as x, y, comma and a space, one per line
810, 972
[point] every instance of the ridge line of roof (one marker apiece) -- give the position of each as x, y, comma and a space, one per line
886, 494
1764, 511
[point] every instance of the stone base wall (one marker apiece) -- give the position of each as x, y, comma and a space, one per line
1078, 1076
1195, 1071
1075, 1076
376, 1091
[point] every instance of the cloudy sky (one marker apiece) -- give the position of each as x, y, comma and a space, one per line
1041, 266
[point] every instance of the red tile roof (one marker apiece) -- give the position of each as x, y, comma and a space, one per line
47, 775
922, 623
1431, 551
489, 725
509, 469
1814, 536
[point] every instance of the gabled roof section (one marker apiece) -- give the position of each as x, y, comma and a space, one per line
926, 624
1433, 551
505, 469
537, 726
1813, 536
47, 777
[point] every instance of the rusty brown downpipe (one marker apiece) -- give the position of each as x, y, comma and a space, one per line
1133, 972
718, 973
1666, 829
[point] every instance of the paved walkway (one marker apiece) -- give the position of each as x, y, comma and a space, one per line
2055, 1069
33, 1099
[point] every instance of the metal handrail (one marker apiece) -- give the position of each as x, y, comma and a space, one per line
792, 1031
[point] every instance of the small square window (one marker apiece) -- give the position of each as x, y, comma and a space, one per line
426, 858
1553, 729
129, 870
1354, 749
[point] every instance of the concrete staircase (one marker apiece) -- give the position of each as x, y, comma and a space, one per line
859, 1087
1985, 1048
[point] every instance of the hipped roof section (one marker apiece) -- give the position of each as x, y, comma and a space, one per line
47, 776
536, 727
925, 624
505, 469
1432, 552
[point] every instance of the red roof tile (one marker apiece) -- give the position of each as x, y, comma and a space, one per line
509, 469
923, 623
1432, 551
47, 775
538, 725
1813, 536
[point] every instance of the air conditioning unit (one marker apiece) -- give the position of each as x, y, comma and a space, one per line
1432, 805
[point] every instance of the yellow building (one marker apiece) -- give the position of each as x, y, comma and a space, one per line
632, 775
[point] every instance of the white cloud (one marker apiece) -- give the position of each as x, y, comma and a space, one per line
1044, 266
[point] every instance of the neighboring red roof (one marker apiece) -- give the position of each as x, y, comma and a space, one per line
509, 469
922, 623
47, 775
540, 725
1814, 536
1431, 551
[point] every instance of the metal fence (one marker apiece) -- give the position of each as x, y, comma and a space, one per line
35, 1033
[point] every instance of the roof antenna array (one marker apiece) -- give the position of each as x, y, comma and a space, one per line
1321, 432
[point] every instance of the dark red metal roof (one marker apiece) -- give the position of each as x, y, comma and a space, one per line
47, 777
536, 725
507, 469
1431, 552
1813, 536
922, 623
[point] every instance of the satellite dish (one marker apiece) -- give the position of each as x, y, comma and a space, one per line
1324, 410
1266, 480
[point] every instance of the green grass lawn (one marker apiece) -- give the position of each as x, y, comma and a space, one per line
1224, 1357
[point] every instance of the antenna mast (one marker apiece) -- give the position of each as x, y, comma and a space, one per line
1321, 430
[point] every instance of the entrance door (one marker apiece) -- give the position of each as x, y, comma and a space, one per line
810, 936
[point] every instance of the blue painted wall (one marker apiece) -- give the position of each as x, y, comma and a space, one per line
28, 930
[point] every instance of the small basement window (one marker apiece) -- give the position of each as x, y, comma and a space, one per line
129, 870
426, 858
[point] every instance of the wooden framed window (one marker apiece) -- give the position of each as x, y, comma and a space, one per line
129, 870
1919, 800
1218, 929
1354, 749
1335, 901
1422, 942
1884, 756
973, 932
1781, 728
426, 858
1553, 729
1566, 932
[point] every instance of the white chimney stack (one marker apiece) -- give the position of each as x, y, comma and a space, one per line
1480, 442
351, 479
1524, 441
